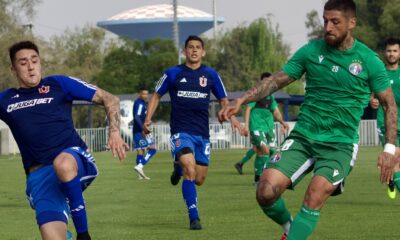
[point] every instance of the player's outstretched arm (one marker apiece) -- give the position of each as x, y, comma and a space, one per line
111, 105
386, 160
235, 124
151, 108
278, 117
263, 88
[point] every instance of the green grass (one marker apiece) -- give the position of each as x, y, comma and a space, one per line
121, 207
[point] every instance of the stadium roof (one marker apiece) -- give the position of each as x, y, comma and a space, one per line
157, 21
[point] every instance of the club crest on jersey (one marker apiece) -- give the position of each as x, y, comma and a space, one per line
355, 68
44, 89
203, 81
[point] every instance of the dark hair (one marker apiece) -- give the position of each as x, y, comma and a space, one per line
346, 6
143, 88
264, 75
19, 46
194, 37
391, 41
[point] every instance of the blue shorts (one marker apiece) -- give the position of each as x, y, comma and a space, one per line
199, 146
43, 188
139, 142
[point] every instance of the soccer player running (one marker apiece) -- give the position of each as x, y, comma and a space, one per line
54, 157
392, 56
340, 73
189, 86
259, 120
142, 142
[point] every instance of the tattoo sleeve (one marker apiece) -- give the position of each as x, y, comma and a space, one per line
111, 105
267, 86
388, 103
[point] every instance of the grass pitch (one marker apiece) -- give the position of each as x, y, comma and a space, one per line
122, 207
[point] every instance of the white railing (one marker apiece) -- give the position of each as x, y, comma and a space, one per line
221, 137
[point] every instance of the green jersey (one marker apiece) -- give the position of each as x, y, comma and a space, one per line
394, 77
338, 88
261, 115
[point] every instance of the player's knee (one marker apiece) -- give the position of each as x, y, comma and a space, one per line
265, 193
200, 180
65, 167
315, 198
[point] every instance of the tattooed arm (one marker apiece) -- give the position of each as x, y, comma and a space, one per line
263, 88
386, 161
111, 105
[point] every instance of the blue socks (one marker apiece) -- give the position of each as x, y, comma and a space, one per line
139, 159
150, 154
190, 196
73, 191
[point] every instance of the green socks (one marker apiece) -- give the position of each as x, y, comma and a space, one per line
249, 154
259, 164
278, 212
304, 224
396, 180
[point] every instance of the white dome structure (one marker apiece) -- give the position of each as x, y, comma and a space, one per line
157, 21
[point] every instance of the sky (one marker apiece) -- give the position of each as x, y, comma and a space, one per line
55, 16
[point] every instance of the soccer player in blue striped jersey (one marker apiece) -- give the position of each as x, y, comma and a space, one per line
189, 86
55, 158
140, 142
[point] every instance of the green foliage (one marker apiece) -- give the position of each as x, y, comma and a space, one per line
246, 51
133, 65
313, 23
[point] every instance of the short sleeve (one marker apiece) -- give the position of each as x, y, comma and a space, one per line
295, 67
378, 78
75, 88
163, 84
251, 104
274, 104
218, 88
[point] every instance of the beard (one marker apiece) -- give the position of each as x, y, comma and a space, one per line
334, 41
393, 62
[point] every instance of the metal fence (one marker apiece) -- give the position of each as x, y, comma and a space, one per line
221, 136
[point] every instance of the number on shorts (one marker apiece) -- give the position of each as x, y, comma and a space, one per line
287, 144
207, 149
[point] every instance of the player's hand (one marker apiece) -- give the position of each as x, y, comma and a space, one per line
146, 127
386, 163
117, 145
374, 103
228, 110
284, 127
246, 132
235, 124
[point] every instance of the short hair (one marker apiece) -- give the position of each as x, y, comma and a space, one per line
346, 6
264, 75
196, 38
143, 88
19, 46
391, 41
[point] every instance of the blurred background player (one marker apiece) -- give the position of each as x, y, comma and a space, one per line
392, 56
259, 120
54, 157
340, 74
141, 142
189, 86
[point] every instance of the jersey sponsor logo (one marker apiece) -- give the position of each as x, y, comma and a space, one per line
203, 81
355, 68
44, 89
28, 103
321, 58
183, 80
190, 94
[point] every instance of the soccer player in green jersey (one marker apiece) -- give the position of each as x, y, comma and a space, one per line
392, 56
340, 73
259, 121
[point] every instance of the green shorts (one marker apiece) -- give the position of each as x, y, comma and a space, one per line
382, 137
299, 155
259, 138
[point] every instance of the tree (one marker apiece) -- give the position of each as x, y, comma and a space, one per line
313, 23
245, 52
